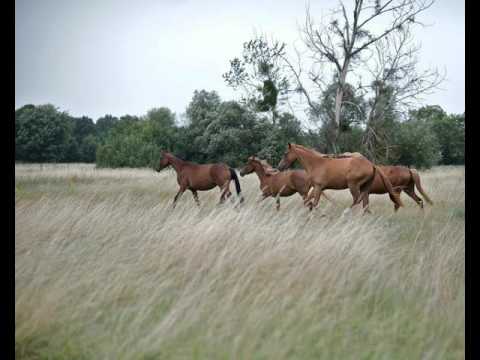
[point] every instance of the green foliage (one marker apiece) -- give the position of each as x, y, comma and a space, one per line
259, 74
276, 138
450, 131
83, 144
416, 144
42, 134
135, 142
230, 132
104, 125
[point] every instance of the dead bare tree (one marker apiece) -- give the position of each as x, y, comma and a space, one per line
343, 41
396, 85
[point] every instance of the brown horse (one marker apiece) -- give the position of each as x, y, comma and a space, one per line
402, 179
355, 172
196, 177
276, 183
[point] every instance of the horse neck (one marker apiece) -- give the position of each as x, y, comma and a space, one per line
307, 158
177, 163
259, 170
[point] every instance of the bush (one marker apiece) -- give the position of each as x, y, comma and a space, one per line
416, 145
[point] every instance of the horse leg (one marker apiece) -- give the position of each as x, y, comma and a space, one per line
224, 189
317, 191
355, 191
195, 196
398, 192
264, 196
304, 197
179, 193
366, 203
309, 196
418, 200
278, 196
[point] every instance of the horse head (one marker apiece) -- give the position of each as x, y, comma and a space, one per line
164, 161
288, 158
248, 168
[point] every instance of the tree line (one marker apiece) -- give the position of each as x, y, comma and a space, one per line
356, 73
224, 131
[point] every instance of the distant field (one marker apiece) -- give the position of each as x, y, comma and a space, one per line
105, 269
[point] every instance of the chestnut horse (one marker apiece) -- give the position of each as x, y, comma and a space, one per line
200, 177
402, 179
276, 183
354, 172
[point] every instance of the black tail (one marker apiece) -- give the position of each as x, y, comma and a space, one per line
237, 183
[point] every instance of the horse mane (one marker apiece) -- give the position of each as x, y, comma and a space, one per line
310, 150
344, 155
267, 168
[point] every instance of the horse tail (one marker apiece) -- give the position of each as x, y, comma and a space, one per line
388, 185
234, 177
416, 180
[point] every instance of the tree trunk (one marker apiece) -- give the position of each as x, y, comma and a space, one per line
338, 104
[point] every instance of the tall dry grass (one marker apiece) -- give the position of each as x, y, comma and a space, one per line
105, 269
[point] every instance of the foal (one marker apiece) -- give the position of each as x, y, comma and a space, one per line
276, 183
200, 177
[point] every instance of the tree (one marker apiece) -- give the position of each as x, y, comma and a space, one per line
396, 86
449, 130
104, 125
343, 42
416, 144
259, 74
83, 144
42, 134
288, 129
137, 141
231, 136
200, 112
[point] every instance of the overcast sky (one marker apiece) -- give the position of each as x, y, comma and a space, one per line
124, 57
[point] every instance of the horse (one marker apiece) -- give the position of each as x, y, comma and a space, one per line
276, 183
200, 177
402, 179
337, 173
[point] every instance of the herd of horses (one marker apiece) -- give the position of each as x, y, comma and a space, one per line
320, 172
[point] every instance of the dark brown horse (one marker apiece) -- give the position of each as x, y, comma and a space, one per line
200, 177
277, 183
402, 179
356, 173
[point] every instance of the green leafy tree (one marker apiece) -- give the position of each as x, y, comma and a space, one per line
83, 144
231, 136
42, 134
200, 112
450, 131
288, 129
416, 144
260, 75
104, 125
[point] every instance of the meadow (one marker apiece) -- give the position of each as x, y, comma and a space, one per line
106, 269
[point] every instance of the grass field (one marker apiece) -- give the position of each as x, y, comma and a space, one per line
106, 269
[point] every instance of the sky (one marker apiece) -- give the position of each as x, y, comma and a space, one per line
125, 57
